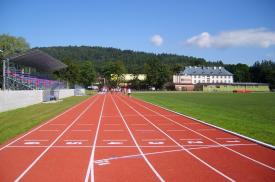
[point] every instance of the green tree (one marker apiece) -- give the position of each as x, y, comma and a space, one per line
71, 74
87, 73
157, 74
113, 73
10, 46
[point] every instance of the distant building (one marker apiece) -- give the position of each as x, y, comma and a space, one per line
190, 76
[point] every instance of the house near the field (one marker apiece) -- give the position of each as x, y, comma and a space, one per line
190, 76
212, 79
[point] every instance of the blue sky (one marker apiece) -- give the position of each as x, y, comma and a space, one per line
229, 30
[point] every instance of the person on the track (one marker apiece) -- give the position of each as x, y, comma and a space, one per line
129, 92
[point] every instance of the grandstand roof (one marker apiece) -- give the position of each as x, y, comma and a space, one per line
205, 71
39, 60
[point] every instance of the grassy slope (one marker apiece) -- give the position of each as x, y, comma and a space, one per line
250, 114
20, 120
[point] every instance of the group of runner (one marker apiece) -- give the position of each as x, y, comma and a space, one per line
125, 90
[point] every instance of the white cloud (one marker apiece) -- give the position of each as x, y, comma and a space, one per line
259, 37
157, 40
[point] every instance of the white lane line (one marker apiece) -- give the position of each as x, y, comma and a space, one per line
175, 130
90, 170
129, 146
191, 123
154, 139
67, 128
191, 139
145, 130
49, 121
172, 139
112, 124
166, 124
113, 130
49, 130
206, 130
227, 138
81, 130
115, 140
234, 151
139, 149
233, 141
86, 124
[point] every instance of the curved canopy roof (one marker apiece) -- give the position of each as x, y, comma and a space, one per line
39, 60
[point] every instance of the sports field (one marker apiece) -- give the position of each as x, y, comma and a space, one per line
111, 137
250, 114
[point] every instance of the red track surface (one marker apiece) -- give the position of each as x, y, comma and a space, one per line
116, 138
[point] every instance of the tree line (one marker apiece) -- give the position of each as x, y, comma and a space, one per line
86, 63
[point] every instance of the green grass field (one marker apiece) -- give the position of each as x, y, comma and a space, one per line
250, 114
20, 120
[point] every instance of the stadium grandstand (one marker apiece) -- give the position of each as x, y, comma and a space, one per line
31, 70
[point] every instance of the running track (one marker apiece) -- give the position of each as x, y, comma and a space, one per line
111, 137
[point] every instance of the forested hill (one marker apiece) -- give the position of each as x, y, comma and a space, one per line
131, 59
135, 62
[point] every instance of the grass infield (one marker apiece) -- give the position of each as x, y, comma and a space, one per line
250, 114
17, 121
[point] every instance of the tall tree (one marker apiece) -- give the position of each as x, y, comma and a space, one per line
87, 73
157, 74
71, 74
113, 72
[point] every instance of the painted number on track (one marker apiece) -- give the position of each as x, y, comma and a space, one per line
73, 143
32, 143
195, 142
156, 143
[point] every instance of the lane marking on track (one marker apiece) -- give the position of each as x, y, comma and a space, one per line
48, 122
166, 124
81, 130
60, 135
175, 130
190, 139
130, 146
32, 143
226, 138
122, 140
156, 143
113, 130
191, 123
139, 149
234, 151
172, 139
146, 130
233, 141
85, 124
90, 170
49, 130
115, 143
73, 143
102, 162
195, 142
206, 130
154, 139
